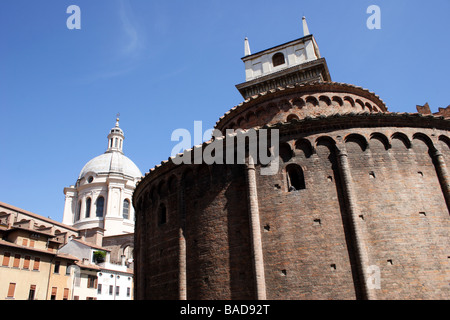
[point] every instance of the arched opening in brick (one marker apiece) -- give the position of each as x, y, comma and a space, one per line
295, 178
305, 147
400, 140
285, 152
356, 139
381, 139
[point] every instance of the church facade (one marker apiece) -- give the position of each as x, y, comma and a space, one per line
358, 208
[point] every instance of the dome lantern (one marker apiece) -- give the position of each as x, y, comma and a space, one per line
115, 138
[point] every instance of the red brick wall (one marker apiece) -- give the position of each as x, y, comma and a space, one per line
308, 239
297, 242
405, 218
217, 235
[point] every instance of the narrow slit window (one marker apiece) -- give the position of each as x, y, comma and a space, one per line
88, 207
162, 215
126, 209
100, 205
78, 212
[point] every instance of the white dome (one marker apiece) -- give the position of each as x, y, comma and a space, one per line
111, 162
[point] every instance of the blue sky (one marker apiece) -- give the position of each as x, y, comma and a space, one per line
165, 64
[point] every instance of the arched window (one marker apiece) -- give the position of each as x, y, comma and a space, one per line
126, 209
128, 252
295, 178
78, 212
100, 205
285, 152
162, 214
88, 207
278, 59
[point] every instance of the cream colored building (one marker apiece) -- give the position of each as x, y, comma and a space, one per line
31, 268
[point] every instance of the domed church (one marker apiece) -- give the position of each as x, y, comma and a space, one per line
101, 197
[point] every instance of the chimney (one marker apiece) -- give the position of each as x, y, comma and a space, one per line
98, 238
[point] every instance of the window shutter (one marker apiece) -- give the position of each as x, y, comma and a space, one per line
36, 263
25, 242
26, 262
16, 261
66, 293
6, 259
11, 289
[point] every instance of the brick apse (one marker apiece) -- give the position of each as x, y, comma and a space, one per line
358, 209
371, 189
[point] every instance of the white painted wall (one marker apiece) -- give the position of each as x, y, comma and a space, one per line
117, 277
295, 53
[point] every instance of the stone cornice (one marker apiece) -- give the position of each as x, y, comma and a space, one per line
320, 123
312, 87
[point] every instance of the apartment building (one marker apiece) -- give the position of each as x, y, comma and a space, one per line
31, 267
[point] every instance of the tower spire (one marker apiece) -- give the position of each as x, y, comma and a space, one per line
117, 120
115, 137
247, 47
305, 27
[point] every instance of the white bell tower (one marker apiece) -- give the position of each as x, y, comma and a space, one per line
297, 61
